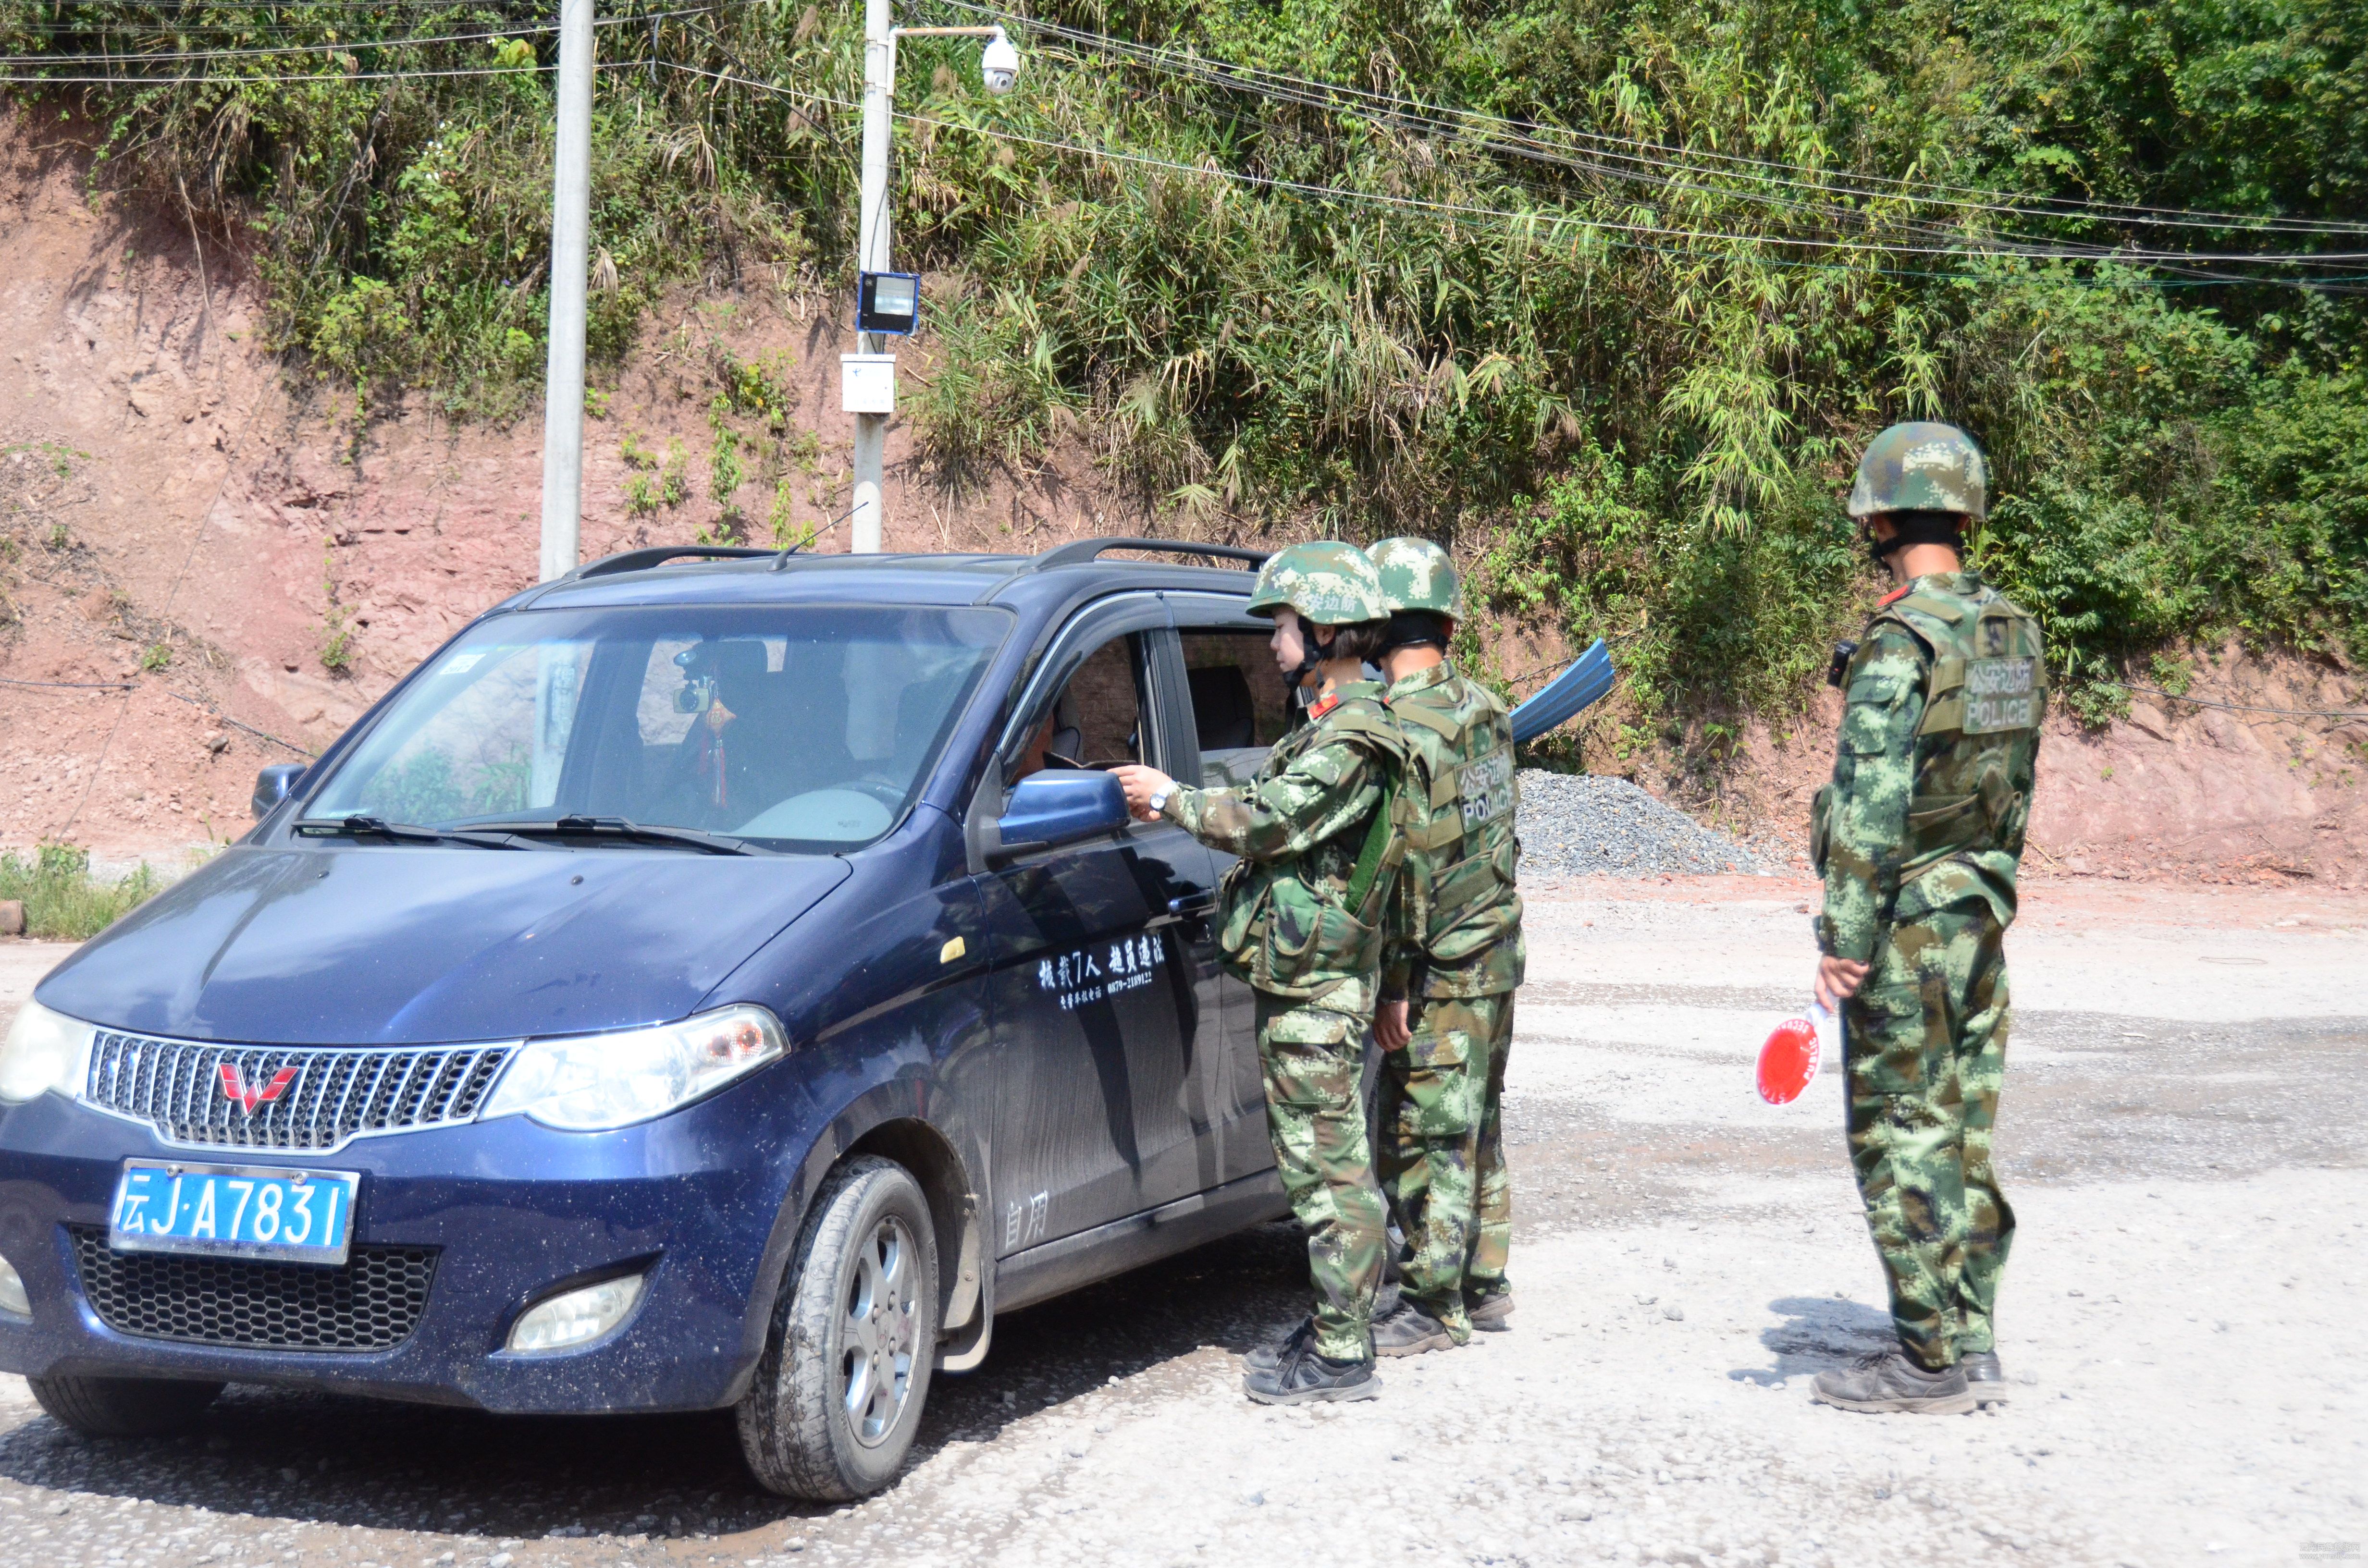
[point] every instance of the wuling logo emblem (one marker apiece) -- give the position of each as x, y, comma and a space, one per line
248, 1097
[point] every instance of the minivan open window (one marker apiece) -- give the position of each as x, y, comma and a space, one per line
799, 729
1096, 719
1240, 707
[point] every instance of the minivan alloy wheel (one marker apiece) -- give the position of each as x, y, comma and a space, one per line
830, 1414
876, 1349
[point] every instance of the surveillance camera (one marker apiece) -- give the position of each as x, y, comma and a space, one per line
998, 64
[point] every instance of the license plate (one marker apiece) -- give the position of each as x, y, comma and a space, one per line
234, 1212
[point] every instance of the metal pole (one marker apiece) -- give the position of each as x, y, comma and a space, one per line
571, 223
869, 516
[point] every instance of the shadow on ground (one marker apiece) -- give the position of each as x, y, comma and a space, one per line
290, 1456
1816, 1332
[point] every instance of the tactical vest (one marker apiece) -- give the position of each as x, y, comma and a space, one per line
1978, 744
1299, 924
1455, 807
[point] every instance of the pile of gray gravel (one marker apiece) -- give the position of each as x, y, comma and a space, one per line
1577, 825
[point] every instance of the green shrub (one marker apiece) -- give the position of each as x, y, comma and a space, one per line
1634, 391
1707, 625
64, 902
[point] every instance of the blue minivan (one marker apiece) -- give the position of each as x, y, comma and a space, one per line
716, 978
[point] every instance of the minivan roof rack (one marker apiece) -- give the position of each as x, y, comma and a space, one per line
1087, 550
638, 559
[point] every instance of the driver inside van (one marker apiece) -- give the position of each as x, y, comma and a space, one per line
1055, 741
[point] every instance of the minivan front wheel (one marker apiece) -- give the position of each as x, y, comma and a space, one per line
837, 1397
123, 1407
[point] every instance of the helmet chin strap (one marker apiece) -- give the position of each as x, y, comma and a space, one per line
1311, 660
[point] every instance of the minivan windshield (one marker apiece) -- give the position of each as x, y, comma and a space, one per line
803, 729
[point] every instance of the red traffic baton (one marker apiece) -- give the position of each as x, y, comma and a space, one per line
1790, 1057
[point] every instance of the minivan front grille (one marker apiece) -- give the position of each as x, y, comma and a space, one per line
372, 1303
212, 1095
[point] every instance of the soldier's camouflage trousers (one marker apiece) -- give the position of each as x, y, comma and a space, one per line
1925, 1052
1441, 1154
1492, 1237
1312, 1057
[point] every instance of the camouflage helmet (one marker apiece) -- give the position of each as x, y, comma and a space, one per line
1417, 575
1328, 583
1921, 467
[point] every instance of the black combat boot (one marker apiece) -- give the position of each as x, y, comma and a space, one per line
1303, 1377
1888, 1382
1267, 1356
1491, 1313
1406, 1329
1983, 1376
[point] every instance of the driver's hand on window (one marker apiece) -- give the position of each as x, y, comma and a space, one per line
1140, 783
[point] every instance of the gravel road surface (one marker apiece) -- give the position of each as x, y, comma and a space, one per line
2181, 1135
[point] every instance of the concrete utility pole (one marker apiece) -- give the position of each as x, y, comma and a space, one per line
999, 66
571, 223
870, 520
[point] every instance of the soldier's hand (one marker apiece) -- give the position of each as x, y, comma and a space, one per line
1838, 980
1140, 783
1390, 1024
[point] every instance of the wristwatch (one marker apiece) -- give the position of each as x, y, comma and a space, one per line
1159, 798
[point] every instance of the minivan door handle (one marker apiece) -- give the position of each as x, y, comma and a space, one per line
1192, 903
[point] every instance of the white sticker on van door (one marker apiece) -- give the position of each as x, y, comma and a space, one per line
1090, 975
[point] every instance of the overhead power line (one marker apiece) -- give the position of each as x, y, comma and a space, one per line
136, 6
221, 79
1564, 220
1597, 152
1866, 221
1870, 223
1925, 240
1512, 136
528, 30
1663, 173
136, 21
347, 47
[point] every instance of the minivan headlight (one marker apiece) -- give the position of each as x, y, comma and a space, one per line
590, 1082
44, 1051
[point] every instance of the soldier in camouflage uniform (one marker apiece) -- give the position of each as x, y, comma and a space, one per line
1456, 955
1301, 912
1918, 838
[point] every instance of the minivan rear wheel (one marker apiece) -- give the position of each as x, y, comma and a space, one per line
123, 1407
838, 1396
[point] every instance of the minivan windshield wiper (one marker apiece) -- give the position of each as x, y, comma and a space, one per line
408, 832
624, 828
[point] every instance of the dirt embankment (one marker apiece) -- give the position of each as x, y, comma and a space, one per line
222, 553
2253, 776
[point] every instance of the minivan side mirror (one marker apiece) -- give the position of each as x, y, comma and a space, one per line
274, 784
1059, 806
